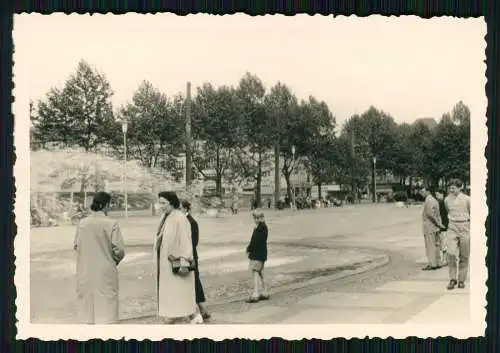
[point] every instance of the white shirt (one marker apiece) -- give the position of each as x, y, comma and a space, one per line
458, 207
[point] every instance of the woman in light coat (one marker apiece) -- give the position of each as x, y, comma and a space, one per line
176, 297
99, 249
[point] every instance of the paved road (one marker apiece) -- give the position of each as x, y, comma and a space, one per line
379, 229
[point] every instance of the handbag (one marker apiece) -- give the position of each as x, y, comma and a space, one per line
176, 264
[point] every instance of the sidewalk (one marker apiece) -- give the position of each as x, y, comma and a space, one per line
420, 299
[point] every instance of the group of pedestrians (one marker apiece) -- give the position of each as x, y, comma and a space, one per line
100, 249
446, 228
180, 296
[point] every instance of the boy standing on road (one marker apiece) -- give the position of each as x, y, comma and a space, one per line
458, 207
257, 254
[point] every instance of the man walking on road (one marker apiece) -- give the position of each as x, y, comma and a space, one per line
458, 206
432, 226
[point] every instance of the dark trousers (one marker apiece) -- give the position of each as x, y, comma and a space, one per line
200, 294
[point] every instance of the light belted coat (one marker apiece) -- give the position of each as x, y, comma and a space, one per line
176, 297
99, 249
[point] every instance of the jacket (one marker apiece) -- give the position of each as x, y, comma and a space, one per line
257, 249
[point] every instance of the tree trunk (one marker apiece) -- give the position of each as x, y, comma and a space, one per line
258, 186
153, 191
218, 174
276, 175
218, 185
83, 187
319, 191
286, 174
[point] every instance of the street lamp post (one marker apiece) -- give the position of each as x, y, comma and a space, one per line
293, 186
124, 175
374, 181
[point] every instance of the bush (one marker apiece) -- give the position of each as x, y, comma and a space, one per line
400, 196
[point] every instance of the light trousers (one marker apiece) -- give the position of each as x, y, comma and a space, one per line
433, 248
458, 250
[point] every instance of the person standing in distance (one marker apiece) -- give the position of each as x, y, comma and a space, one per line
195, 237
99, 249
458, 234
257, 255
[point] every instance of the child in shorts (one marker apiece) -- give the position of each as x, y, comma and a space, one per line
257, 255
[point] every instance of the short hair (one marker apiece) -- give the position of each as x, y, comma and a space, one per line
101, 200
257, 213
456, 182
441, 191
186, 205
171, 197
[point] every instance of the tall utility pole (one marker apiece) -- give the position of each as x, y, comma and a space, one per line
276, 174
353, 154
374, 179
189, 168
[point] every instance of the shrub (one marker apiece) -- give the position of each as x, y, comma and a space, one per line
400, 196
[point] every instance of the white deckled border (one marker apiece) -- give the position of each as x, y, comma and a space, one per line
26, 330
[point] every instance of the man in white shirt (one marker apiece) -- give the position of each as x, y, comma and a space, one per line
458, 207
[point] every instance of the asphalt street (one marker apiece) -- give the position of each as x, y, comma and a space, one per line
344, 249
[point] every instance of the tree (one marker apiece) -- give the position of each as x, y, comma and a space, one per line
324, 160
252, 156
79, 114
461, 117
283, 109
319, 141
403, 153
353, 166
155, 135
216, 127
374, 134
449, 154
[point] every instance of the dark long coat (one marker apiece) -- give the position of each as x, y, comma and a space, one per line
195, 236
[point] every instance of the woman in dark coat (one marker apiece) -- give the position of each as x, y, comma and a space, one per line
195, 237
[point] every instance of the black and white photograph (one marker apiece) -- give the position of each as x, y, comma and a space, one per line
255, 177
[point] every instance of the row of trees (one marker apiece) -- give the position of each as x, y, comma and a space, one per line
236, 131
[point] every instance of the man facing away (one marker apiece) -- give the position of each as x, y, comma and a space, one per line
458, 235
432, 226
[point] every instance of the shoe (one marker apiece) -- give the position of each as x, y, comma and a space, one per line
452, 284
427, 268
197, 319
252, 300
461, 285
206, 315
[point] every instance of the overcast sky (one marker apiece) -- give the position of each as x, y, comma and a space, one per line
406, 66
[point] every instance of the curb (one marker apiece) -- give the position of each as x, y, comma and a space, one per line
372, 265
